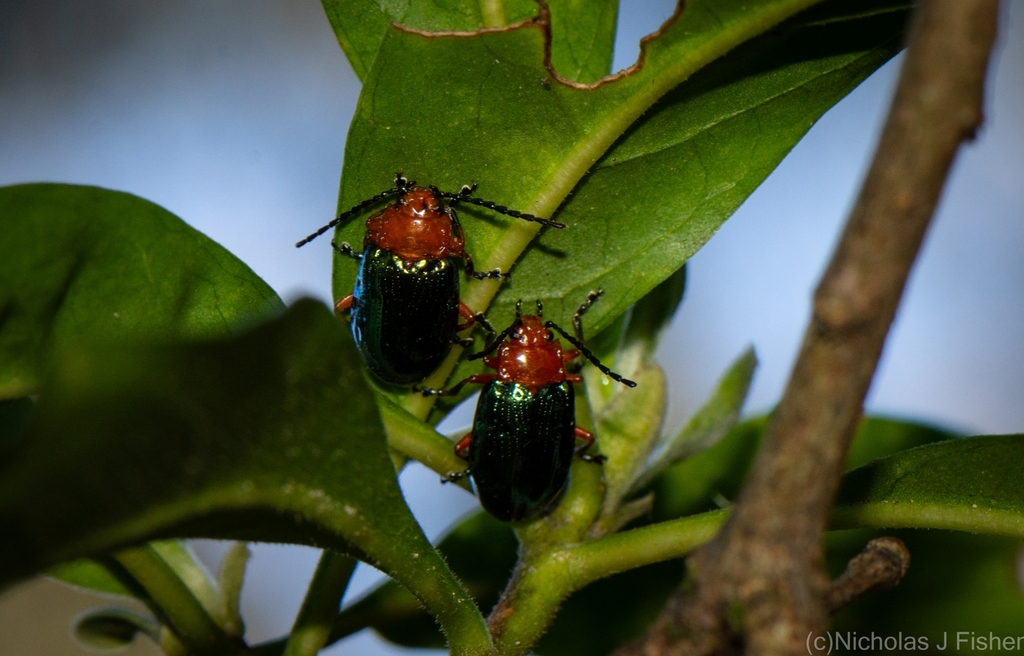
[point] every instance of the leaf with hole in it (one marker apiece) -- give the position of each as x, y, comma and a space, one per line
269, 436
80, 263
970, 484
103, 629
658, 185
583, 32
360, 25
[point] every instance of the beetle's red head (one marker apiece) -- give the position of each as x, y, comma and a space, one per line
531, 331
420, 201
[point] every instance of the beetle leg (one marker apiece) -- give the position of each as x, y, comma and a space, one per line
462, 451
471, 318
588, 441
454, 477
345, 304
467, 314
464, 343
475, 379
346, 249
574, 378
463, 445
493, 274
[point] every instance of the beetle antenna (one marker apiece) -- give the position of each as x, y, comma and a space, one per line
401, 186
493, 346
540, 309
463, 197
451, 391
577, 319
590, 356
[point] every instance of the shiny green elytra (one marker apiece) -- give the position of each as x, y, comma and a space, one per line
406, 314
405, 306
524, 431
521, 447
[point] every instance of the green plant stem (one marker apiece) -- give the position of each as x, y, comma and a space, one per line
414, 439
905, 514
180, 558
316, 617
170, 644
232, 575
541, 586
170, 598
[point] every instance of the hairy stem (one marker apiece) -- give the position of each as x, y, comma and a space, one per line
539, 586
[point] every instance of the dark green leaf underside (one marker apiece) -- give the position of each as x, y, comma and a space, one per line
269, 436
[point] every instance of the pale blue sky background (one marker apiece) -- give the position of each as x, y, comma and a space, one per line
232, 114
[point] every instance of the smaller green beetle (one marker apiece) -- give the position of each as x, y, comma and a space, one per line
524, 430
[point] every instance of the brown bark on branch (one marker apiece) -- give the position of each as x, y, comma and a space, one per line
760, 583
880, 566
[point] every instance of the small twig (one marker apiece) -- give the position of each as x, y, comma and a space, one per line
320, 607
230, 579
761, 580
880, 566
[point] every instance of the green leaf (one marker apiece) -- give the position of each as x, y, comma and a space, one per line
708, 425
715, 476
113, 628
627, 429
879, 437
631, 340
269, 436
970, 484
15, 416
82, 263
648, 189
583, 38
